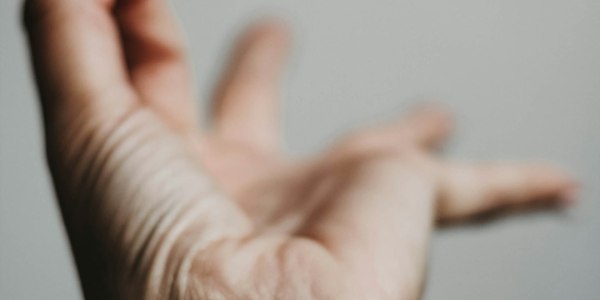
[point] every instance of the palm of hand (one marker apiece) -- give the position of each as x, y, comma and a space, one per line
156, 210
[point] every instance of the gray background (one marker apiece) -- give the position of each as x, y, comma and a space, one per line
523, 78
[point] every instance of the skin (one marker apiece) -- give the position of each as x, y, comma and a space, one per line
157, 208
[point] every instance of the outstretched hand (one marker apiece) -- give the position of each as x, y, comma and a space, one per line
157, 208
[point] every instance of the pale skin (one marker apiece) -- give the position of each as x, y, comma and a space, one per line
157, 207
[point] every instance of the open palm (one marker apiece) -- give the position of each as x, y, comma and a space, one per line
158, 209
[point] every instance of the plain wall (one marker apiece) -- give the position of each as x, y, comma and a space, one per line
522, 76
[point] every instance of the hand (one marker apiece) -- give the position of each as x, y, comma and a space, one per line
157, 209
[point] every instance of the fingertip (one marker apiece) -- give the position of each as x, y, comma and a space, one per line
260, 51
431, 124
557, 184
568, 196
435, 114
432, 107
271, 26
269, 36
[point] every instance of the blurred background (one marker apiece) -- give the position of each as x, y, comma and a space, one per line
522, 76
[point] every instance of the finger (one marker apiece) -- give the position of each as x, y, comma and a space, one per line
155, 53
426, 128
470, 190
77, 57
377, 220
246, 101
